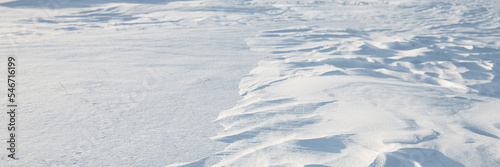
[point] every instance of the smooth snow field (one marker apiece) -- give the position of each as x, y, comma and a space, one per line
280, 83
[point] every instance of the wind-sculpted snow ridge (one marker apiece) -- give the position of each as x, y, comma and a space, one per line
419, 90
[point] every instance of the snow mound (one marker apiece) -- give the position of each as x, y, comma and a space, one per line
397, 94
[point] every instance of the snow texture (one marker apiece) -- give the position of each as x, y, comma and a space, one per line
321, 82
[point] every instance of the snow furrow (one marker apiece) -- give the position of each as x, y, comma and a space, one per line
376, 97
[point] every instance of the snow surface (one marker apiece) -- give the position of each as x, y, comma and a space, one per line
321, 83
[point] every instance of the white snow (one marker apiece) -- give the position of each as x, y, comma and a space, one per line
321, 83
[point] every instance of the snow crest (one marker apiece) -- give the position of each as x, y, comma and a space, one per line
397, 94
